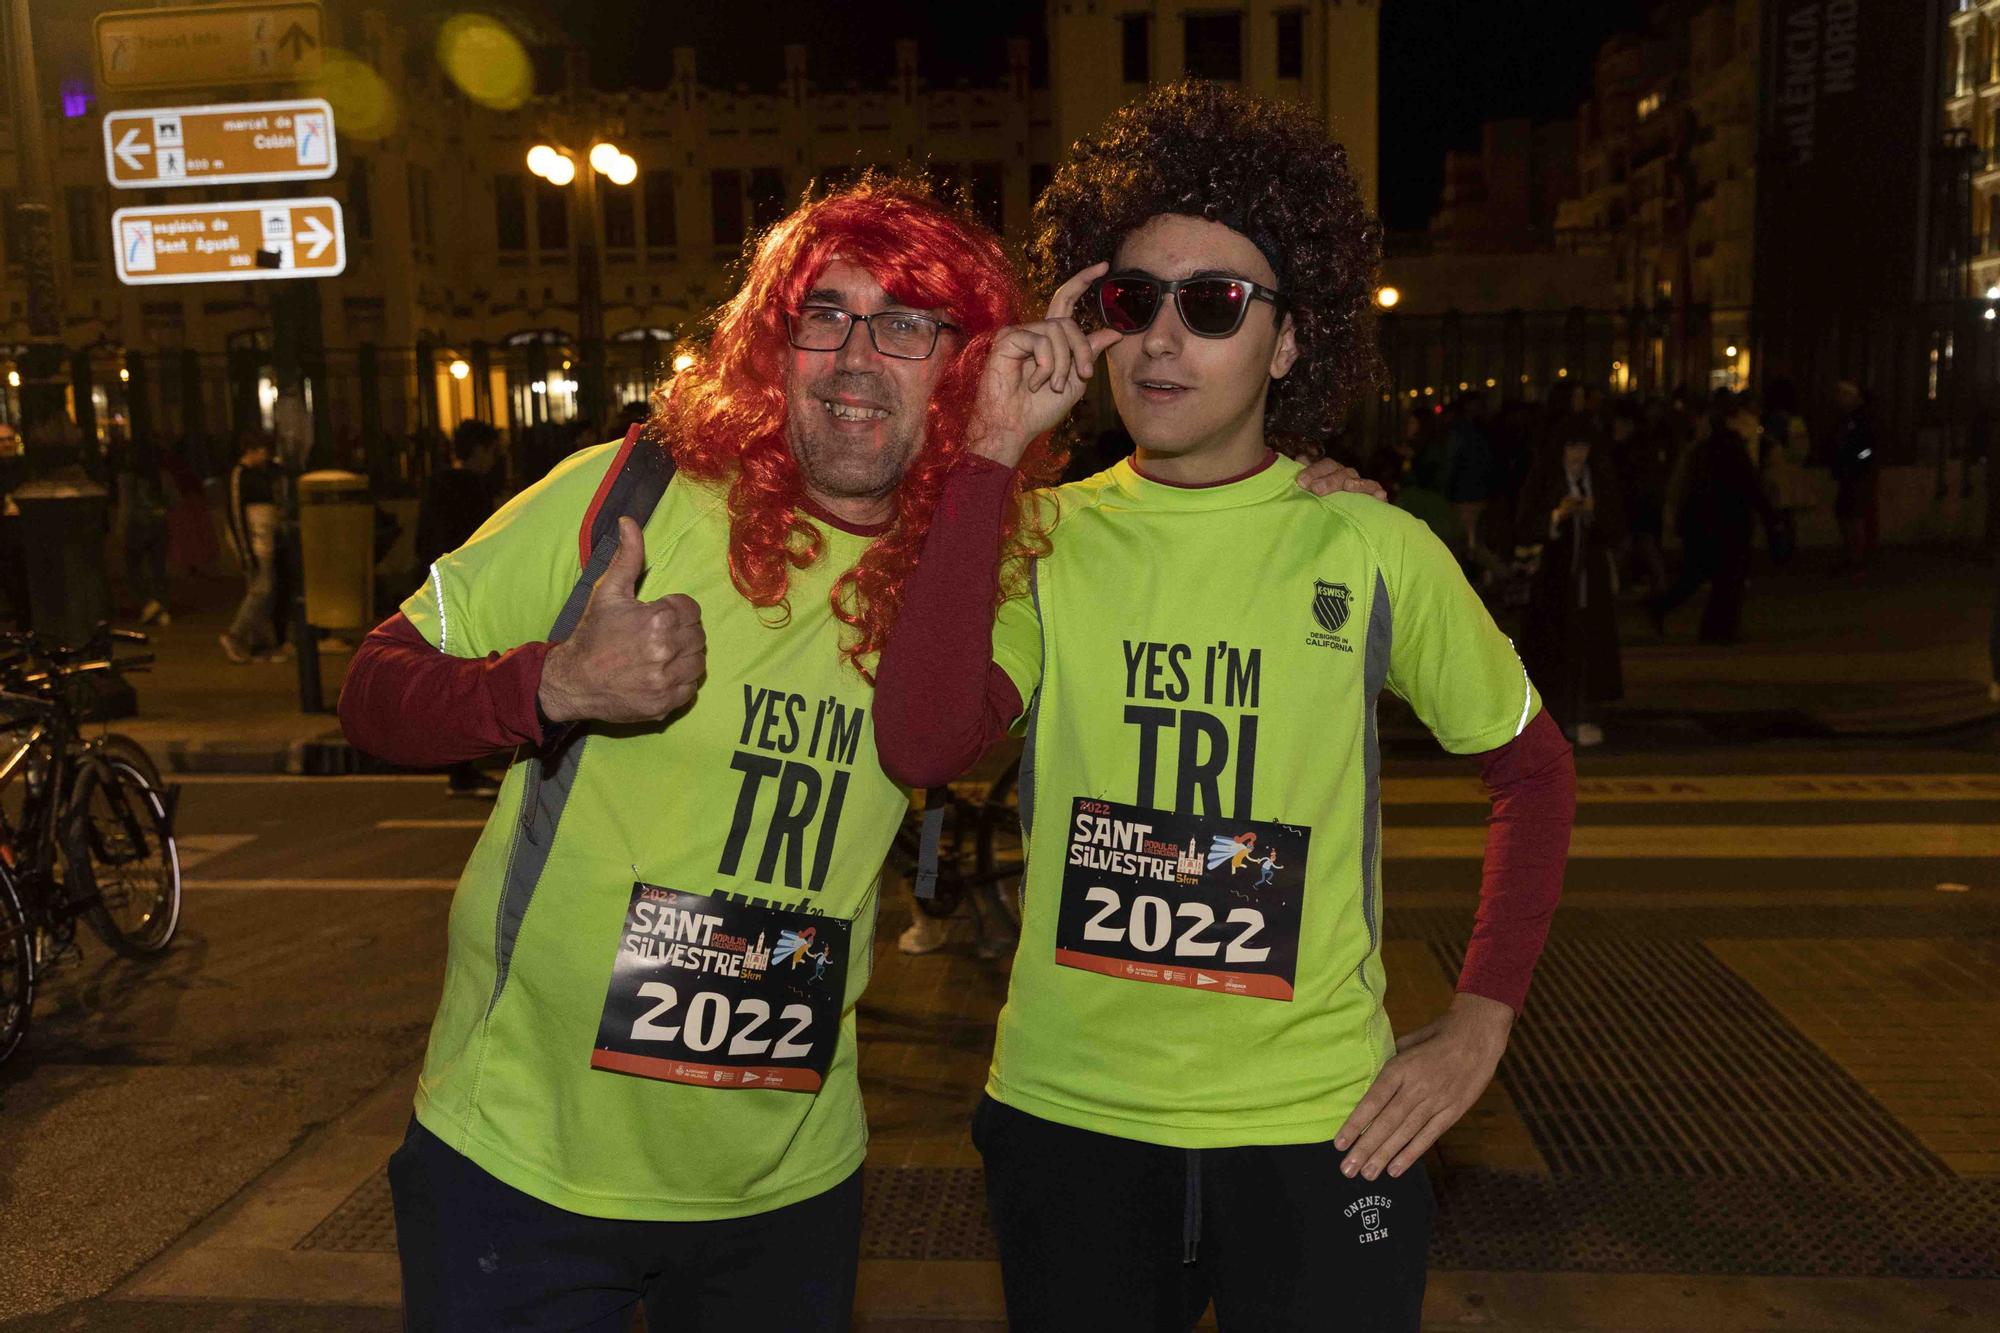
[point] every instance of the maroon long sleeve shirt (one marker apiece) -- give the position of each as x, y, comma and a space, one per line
940, 701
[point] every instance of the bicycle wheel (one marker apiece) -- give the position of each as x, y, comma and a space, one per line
133, 866
115, 746
17, 970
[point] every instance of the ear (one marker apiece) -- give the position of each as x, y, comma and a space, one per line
1286, 351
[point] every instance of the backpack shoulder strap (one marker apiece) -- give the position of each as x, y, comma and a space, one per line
632, 488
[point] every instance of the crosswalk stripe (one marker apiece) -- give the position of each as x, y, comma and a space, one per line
317, 885
1832, 788
1694, 841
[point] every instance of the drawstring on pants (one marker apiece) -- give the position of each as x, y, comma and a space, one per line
1191, 1217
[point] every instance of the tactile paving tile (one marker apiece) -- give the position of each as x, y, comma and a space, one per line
364, 1224
1647, 1057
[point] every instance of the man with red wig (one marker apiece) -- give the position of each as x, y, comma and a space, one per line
640, 1085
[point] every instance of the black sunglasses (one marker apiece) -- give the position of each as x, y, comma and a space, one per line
1209, 307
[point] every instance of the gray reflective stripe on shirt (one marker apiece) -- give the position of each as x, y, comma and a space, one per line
544, 794
1374, 674
1025, 783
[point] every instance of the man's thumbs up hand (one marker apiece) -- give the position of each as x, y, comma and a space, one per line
629, 661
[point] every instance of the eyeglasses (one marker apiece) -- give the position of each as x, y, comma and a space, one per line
826, 328
1210, 307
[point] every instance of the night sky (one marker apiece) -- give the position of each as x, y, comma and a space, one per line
1447, 65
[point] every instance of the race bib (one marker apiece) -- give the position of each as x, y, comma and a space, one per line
721, 993
1182, 900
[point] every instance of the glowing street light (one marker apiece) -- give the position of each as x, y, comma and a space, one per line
542, 159
1386, 297
1730, 351
624, 171
459, 369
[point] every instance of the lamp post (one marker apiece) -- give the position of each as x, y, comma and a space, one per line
558, 166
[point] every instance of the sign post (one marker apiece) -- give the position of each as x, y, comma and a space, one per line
238, 144
191, 46
248, 241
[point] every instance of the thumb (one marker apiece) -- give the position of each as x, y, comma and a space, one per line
621, 578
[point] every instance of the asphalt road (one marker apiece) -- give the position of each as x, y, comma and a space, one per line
150, 1094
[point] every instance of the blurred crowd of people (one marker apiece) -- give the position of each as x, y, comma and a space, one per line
1560, 509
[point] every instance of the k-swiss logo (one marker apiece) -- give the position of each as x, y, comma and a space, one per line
1330, 602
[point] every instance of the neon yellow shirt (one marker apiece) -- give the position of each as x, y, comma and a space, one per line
1201, 959
767, 789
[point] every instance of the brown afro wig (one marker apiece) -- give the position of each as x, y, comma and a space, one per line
1268, 170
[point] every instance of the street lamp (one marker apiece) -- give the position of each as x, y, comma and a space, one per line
1386, 297
558, 166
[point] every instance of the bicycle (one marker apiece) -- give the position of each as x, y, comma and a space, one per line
93, 838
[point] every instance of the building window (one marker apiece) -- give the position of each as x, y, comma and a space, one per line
510, 212
1993, 224
621, 225
422, 230
1215, 47
767, 196
12, 235
1136, 39
986, 180
1292, 44
360, 211
551, 67
1039, 176
661, 231
943, 178
551, 217
80, 201
725, 190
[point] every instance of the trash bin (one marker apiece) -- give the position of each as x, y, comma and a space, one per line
63, 524
337, 549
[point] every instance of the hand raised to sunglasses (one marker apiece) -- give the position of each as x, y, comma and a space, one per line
1035, 374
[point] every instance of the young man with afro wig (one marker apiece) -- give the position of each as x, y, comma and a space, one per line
1195, 1094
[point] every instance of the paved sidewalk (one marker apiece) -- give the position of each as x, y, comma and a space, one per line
1900, 652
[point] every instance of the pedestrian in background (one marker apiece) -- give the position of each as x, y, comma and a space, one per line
459, 498
1857, 470
143, 506
1640, 453
13, 554
1569, 638
255, 489
1785, 446
1721, 497
455, 502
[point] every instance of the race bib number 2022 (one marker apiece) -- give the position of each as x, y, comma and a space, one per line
725, 994
1183, 900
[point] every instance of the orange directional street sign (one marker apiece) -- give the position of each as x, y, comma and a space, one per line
218, 145
186, 46
240, 242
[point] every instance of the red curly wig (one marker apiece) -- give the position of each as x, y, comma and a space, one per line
724, 416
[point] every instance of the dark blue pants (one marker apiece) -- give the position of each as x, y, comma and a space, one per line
479, 1255
1117, 1236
